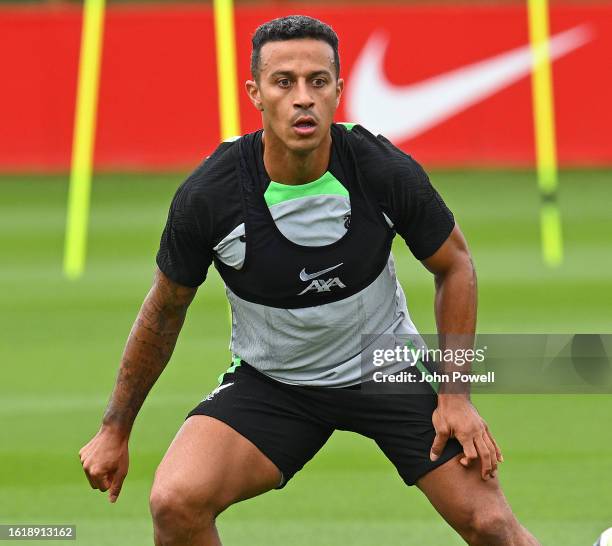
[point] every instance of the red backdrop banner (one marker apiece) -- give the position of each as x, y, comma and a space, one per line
449, 84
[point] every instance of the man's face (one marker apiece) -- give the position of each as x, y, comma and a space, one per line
297, 91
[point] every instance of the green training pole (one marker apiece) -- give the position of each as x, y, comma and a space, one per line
75, 248
544, 125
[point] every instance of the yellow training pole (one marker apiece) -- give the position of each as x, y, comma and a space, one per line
544, 123
226, 68
75, 248
227, 74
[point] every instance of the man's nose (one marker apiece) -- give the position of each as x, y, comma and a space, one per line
302, 98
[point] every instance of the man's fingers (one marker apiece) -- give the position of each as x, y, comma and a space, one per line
115, 487
97, 478
438, 444
469, 452
485, 456
498, 453
105, 483
83, 454
492, 453
91, 480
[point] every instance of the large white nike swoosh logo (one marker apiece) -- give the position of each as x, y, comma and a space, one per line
403, 112
309, 276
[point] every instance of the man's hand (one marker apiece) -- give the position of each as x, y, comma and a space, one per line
456, 417
105, 460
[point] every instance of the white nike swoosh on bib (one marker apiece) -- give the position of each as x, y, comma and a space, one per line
400, 112
309, 276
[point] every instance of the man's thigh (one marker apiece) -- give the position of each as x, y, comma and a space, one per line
461, 496
246, 426
210, 465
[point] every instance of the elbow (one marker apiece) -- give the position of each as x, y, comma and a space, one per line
461, 268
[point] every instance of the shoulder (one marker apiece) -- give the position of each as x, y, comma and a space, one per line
210, 198
381, 162
214, 178
371, 149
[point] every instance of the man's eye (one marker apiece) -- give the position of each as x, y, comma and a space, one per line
318, 82
284, 83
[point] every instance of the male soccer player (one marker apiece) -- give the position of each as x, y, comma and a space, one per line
298, 219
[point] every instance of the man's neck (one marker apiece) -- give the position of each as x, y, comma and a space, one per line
288, 167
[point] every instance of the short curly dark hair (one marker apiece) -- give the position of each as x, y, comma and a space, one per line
292, 27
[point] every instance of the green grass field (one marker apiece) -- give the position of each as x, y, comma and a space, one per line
61, 342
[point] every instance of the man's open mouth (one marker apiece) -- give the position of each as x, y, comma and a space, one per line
305, 123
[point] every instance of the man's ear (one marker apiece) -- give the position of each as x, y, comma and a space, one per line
339, 89
252, 90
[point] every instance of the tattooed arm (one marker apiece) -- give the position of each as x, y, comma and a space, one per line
148, 350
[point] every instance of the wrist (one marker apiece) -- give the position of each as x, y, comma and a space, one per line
121, 430
447, 398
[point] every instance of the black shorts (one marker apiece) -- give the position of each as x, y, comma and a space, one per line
290, 423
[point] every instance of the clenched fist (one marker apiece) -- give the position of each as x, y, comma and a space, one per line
105, 460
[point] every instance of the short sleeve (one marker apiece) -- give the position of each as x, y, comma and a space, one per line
419, 214
185, 251
403, 191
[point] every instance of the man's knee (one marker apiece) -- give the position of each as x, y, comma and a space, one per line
176, 514
491, 526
